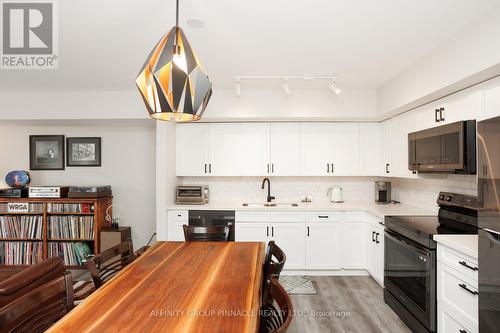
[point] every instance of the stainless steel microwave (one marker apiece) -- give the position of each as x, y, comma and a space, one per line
192, 195
449, 148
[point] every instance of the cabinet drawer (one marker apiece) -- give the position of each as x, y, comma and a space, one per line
178, 215
252, 216
450, 321
458, 292
356, 216
283, 217
325, 217
458, 261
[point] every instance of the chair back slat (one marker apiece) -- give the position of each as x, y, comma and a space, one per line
29, 279
207, 233
108, 263
274, 262
278, 309
40, 308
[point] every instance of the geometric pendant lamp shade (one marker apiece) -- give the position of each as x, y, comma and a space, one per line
172, 82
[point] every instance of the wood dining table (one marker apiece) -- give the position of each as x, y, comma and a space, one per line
177, 287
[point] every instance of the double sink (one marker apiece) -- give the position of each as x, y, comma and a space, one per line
269, 204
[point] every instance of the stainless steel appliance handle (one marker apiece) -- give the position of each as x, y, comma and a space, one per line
493, 235
415, 247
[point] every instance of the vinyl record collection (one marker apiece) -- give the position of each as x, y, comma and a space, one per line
21, 226
71, 227
73, 253
20, 253
33, 208
83, 208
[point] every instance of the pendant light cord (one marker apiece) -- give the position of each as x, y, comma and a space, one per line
177, 14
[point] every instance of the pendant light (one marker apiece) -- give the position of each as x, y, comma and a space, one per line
172, 82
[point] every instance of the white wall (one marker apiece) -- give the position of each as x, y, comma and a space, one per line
128, 163
470, 57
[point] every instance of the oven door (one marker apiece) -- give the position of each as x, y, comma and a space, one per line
410, 276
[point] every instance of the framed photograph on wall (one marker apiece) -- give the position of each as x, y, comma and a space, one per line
47, 152
85, 152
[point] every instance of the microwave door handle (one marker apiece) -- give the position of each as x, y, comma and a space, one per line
413, 247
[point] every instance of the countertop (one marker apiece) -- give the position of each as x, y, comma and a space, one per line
368, 206
466, 244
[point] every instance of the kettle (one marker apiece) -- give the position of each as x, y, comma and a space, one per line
335, 194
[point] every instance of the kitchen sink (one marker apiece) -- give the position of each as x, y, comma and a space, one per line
269, 204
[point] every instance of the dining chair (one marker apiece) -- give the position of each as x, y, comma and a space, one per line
206, 233
30, 278
276, 314
40, 308
273, 265
108, 263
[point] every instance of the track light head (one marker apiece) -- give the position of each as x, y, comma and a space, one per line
333, 87
237, 87
286, 87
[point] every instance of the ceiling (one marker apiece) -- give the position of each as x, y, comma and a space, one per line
103, 44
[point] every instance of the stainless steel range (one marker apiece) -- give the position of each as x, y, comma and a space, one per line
410, 257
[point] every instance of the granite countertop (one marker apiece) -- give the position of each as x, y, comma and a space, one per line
368, 206
466, 244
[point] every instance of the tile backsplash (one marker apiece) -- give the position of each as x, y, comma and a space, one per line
421, 192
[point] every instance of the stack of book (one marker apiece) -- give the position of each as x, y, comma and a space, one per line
74, 254
20, 253
84, 208
71, 227
23, 226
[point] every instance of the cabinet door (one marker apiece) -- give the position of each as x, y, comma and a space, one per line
222, 149
457, 107
380, 256
175, 231
492, 101
253, 150
323, 245
345, 149
402, 125
285, 149
316, 149
385, 160
290, 237
369, 149
251, 232
371, 252
354, 245
192, 149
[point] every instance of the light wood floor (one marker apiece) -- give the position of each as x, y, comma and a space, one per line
352, 304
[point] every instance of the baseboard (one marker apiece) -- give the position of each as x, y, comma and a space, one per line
337, 272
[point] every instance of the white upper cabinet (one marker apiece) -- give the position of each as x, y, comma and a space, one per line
345, 158
402, 125
221, 149
492, 101
192, 149
316, 146
369, 149
253, 142
385, 160
285, 149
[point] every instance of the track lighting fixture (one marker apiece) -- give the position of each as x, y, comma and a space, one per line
286, 81
286, 87
237, 87
333, 87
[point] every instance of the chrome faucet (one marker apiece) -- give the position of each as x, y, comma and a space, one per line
269, 197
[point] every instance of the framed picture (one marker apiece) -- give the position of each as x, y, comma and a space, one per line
47, 152
84, 152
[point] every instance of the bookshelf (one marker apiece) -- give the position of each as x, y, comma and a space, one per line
68, 227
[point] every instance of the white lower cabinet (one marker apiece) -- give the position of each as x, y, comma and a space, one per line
375, 252
290, 238
252, 232
176, 219
323, 245
353, 245
457, 292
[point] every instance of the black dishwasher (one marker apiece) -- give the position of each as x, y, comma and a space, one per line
214, 218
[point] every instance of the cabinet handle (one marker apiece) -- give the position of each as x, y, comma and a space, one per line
441, 117
332, 168
205, 167
327, 168
464, 287
376, 238
267, 231
272, 231
267, 167
272, 168
464, 263
210, 168
323, 216
307, 231
463, 331
387, 168
373, 236
436, 111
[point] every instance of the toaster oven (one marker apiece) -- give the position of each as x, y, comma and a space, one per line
192, 195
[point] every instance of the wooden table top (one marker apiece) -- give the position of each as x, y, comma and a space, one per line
177, 287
